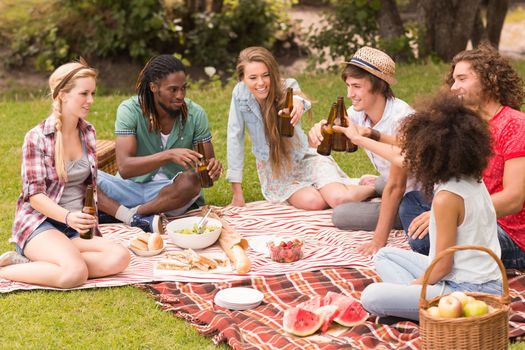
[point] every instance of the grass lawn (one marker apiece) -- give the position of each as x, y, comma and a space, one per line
126, 317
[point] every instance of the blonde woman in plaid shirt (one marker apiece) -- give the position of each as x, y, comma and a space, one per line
48, 215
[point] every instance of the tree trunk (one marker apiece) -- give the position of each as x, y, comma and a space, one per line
216, 5
496, 12
479, 32
447, 26
389, 21
392, 32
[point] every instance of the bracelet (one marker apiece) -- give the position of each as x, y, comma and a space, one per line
66, 218
374, 134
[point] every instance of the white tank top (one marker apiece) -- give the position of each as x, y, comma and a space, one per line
479, 227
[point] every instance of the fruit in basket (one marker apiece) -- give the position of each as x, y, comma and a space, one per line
286, 251
476, 308
450, 307
301, 322
434, 311
462, 297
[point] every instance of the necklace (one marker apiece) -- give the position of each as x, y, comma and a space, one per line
497, 110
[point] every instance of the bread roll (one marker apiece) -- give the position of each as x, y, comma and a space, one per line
155, 242
143, 236
137, 244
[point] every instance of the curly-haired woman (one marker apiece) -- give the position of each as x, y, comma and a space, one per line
449, 164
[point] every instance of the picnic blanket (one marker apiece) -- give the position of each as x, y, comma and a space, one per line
260, 328
324, 246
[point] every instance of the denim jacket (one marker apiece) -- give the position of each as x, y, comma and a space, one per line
244, 110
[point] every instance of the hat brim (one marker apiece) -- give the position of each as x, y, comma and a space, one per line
388, 79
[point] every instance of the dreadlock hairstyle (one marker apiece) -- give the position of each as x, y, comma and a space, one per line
444, 140
154, 71
279, 146
63, 80
499, 80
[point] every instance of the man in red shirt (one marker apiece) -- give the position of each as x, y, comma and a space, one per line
487, 83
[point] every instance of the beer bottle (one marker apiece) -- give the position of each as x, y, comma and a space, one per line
285, 120
339, 139
202, 167
327, 131
89, 208
350, 147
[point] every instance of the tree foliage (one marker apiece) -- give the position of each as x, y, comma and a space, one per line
443, 28
209, 32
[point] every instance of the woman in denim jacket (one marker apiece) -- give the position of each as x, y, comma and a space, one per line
288, 169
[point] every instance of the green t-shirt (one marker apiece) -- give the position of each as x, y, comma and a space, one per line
131, 121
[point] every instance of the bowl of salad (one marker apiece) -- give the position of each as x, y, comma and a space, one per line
185, 233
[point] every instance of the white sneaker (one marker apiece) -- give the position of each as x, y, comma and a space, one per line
12, 258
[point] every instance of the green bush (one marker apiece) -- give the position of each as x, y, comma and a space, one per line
217, 38
65, 29
350, 25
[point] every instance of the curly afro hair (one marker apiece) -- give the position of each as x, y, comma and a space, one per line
499, 81
445, 140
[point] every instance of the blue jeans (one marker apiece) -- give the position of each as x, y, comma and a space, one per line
511, 255
396, 296
131, 194
413, 204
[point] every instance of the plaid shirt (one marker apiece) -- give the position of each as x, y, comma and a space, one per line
39, 174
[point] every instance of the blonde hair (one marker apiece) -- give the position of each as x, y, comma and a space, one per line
63, 80
279, 146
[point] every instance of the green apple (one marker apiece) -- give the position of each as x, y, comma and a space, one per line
450, 307
462, 297
476, 308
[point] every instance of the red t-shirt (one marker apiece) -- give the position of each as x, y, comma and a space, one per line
508, 141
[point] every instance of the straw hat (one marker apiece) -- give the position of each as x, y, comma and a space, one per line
375, 62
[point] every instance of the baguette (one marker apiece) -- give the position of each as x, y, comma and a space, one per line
137, 244
239, 258
234, 246
155, 242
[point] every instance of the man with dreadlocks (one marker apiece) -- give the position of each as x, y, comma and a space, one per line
155, 133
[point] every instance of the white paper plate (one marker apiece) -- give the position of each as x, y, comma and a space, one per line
239, 298
259, 243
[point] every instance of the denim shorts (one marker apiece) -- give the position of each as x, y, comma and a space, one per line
128, 192
46, 225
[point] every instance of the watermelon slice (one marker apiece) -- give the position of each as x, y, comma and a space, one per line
350, 311
301, 322
328, 313
313, 304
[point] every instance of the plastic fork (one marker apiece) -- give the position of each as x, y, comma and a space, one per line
201, 226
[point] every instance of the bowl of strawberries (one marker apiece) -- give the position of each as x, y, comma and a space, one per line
286, 251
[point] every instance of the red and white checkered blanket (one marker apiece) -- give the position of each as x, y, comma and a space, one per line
325, 246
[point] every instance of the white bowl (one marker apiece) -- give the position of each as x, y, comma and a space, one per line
193, 241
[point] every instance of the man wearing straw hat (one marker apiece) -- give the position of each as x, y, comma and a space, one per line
368, 77
486, 82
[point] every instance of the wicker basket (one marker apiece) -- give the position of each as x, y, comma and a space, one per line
107, 160
489, 331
